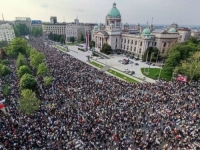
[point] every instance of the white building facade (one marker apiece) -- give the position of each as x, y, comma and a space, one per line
128, 40
6, 32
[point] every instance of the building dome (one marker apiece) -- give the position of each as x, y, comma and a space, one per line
172, 30
146, 31
95, 27
126, 24
114, 12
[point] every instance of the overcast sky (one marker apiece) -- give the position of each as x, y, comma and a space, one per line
182, 12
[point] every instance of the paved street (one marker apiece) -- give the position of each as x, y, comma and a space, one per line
113, 62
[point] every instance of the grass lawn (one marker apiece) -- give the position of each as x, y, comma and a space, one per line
96, 64
122, 76
154, 73
61, 48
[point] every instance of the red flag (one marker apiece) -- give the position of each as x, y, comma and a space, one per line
2, 106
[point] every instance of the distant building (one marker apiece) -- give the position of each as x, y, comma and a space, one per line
36, 24
53, 20
131, 41
23, 20
195, 34
184, 34
6, 32
58, 28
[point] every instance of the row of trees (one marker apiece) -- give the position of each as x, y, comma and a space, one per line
30, 65
57, 38
21, 29
37, 32
184, 58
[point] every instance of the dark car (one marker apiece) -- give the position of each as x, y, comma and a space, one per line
136, 64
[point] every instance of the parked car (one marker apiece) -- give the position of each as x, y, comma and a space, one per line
132, 72
136, 64
153, 64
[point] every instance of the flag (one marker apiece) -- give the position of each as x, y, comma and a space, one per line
182, 78
86, 40
2, 106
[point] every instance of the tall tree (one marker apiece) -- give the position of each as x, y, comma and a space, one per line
72, 39
191, 66
106, 49
27, 81
23, 70
36, 58
28, 103
62, 40
4, 70
42, 69
21, 60
18, 45
152, 53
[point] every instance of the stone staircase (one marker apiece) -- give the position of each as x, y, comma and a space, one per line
105, 68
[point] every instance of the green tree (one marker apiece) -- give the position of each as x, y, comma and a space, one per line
106, 49
72, 39
27, 81
37, 32
152, 53
17, 33
42, 69
4, 70
82, 38
18, 45
36, 58
2, 54
62, 40
191, 66
23, 70
21, 60
92, 44
28, 103
3, 44
23, 29
48, 81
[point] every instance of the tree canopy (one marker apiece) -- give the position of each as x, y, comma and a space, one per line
48, 81
106, 49
27, 81
23, 70
37, 32
180, 52
152, 53
42, 69
72, 39
21, 60
4, 70
28, 103
92, 44
21, 29
62, 40
18, 45
36, 58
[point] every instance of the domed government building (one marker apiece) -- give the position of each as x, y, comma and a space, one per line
131, 41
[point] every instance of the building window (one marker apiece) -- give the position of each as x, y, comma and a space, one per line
135, 42
116, 40
131, 41
121, 46
134, 49
127, 47
131, 48
124, 40
140, 43
140, 50
124, 46
155, 43
116, 46
165, 44
128, 41
163, 51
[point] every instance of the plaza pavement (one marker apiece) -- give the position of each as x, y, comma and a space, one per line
113, 62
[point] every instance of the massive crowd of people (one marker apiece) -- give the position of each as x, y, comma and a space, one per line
87, 109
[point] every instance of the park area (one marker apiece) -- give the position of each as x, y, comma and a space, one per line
154, 73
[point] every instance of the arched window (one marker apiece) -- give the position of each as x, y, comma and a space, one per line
165, 44
140, 43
